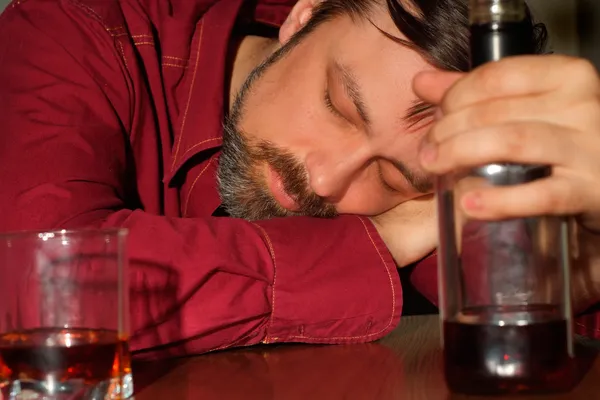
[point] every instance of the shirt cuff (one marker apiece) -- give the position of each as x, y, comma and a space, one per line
333, 283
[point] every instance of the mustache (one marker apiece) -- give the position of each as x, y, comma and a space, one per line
243, 190
294, 179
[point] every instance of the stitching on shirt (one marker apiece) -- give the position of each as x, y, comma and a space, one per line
189, 195
177, 62
272, 252
17, 3
234, 344
187, 106
90, 11
143, 43
174, 65
122, 51
142, 36
393, 297
198, 144
176, 58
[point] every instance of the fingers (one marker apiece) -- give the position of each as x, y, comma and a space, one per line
527, 109
510, 77
515, 142
551, 196
522, 76
496, 112
431, 86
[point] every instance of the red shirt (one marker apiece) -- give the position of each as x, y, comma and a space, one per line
111, 116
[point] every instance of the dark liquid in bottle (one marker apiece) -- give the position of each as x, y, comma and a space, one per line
494, 41
484, 358
64, 354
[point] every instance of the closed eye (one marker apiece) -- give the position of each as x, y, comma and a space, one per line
331, 107
385, 185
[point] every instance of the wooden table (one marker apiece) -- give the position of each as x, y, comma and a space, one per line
405, 365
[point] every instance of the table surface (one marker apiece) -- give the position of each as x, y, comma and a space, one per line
407, 364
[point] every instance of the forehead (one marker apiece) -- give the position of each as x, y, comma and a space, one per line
361, 37
383, 67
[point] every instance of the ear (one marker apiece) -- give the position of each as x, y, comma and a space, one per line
297, 18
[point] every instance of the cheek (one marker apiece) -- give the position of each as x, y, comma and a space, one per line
366, 195
287, 121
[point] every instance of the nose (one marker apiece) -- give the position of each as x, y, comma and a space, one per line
330, 173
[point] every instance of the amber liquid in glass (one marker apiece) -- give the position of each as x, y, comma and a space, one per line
63, 355
485, 359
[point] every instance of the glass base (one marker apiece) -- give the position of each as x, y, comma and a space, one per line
76, 389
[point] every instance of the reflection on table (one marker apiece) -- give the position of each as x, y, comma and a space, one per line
405, 365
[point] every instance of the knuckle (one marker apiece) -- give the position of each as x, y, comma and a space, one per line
483, 115
450, 99
552, 203
581, 69
492, 77
515, 141
559, 200
450, 150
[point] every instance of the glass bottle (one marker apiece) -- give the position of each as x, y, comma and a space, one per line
505, 300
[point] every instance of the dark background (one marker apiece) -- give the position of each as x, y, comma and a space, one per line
588, 26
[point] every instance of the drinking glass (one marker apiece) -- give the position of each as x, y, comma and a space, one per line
64, 316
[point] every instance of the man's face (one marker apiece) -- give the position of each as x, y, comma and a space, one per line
322, 131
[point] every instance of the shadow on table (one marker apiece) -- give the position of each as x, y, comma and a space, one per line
145, 373
369, 371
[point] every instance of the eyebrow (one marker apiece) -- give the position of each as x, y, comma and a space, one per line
352, 88
422, 184
418, 112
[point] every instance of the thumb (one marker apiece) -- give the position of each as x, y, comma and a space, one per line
431, 86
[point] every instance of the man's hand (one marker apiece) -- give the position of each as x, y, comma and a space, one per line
409, 230
532, 109
539, 109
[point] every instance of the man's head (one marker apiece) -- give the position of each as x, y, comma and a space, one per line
329, 123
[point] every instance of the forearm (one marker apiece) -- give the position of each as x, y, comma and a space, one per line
199, 285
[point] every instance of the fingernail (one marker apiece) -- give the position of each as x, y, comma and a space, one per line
472, 202
429, 153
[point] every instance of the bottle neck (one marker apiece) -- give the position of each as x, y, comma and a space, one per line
499, 29
497, 40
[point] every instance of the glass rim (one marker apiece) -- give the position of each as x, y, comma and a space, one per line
53, 233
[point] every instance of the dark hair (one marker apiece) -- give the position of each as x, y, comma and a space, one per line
437, 29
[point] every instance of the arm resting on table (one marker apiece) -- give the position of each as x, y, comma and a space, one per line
196, 284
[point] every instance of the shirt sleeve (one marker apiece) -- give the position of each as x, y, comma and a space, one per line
196, 284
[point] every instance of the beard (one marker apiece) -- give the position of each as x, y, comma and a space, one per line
243, 189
